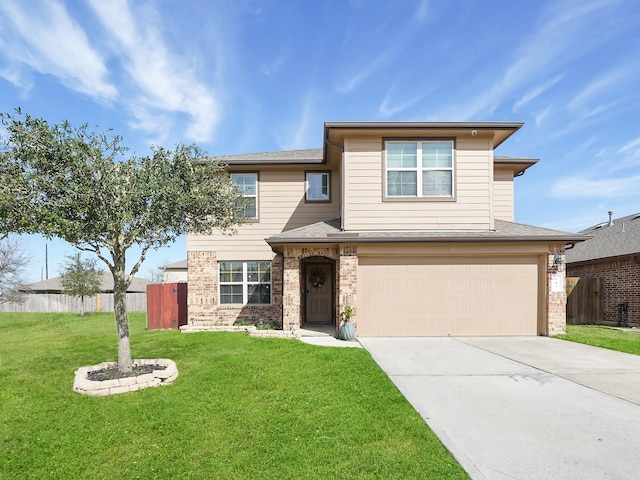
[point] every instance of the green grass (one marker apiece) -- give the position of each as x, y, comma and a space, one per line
605, 337
241, 408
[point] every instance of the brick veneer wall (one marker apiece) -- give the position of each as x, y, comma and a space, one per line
556, 301
202, 298
621, 283
347, 280
292, 281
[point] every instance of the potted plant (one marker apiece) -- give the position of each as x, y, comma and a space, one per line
347, 327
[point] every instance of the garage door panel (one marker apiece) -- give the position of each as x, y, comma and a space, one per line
406, 296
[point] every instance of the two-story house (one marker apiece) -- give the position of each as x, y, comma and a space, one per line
410, 223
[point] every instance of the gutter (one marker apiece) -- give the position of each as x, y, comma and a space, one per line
338, 238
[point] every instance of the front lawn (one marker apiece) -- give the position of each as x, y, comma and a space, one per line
241, 408
606, 337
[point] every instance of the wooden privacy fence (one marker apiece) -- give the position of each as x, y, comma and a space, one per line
166, 305
585, 301
56, 302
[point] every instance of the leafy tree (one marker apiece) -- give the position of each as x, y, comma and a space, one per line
81, 278
78, 185
13, 260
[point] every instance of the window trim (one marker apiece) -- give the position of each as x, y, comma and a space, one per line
257, 196
306, 186
245, 283
419, 170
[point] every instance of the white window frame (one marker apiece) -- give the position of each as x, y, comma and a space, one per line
244, 194
245, 283
419, 169
322, 174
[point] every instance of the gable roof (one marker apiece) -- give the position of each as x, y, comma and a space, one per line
54, 285
620, 238
310, 156
179, 265
329, 232
315, 156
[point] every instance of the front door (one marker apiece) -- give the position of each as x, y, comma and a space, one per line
319, 293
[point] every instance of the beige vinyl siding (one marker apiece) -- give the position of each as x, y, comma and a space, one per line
281, 203
365, 208
437, 296
503, 195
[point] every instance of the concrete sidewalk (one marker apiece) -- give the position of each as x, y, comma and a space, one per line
522, 407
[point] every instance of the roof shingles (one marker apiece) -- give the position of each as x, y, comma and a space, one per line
329, 232
620, 238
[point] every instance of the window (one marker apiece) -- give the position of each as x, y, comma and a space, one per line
419, 169
245, 283
318, 187
247, 184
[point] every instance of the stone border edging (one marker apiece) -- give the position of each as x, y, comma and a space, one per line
84, 386
251, 330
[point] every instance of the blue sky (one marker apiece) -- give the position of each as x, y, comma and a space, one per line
243, 76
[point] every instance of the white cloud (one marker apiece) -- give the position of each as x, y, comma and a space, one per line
387, 109
602, 84
531, 94
164, 81
585, 187
542, 115
630, 145
47, 40
565, 34
422, 12
277, 64
304, 128
369, 69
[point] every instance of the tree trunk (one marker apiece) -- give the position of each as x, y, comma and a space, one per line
82, 305
122, 320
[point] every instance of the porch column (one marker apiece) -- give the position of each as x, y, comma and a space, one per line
347, 279
291, 290
556, 291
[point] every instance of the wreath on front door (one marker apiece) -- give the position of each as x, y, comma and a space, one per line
317, 279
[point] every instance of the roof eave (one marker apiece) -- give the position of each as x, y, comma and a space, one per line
505, 129
614, 258
417, 239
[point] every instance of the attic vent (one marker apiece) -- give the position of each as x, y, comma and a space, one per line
600, 225
636, 217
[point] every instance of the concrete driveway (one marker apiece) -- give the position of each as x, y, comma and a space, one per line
522, 407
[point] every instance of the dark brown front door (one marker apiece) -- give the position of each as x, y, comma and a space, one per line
319, 293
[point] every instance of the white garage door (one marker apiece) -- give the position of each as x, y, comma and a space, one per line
428, 296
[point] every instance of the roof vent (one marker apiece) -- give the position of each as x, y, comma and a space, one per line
610, 218
636, 217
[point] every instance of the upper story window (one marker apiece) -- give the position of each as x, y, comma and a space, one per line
318, 187
247, 184
419, 168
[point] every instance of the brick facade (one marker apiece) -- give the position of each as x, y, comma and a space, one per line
202, 297
287, 281
556, 301
347, 281
292, 281
621, 284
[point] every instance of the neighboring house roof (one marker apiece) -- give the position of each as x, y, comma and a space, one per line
54, 285
329, 232
617, 238
181, 264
